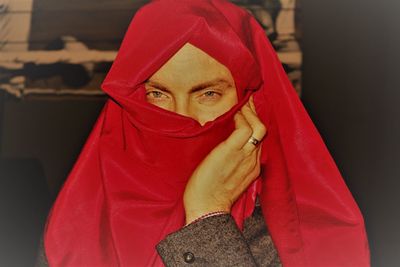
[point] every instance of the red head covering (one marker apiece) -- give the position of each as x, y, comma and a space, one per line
124, 193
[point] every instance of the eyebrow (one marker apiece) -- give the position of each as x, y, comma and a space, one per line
195, 88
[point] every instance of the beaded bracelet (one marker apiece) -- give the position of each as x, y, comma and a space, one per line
210, 214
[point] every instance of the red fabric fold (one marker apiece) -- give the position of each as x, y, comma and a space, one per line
124, 193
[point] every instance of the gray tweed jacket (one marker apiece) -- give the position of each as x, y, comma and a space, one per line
215, 241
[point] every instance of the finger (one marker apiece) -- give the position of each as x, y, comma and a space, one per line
257, 123
252, 105
257, 126
253, 174
241, 134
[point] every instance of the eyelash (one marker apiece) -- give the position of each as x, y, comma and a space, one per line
209, 94
160, 94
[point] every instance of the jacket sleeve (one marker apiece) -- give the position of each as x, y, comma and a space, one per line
217, 241
260, 242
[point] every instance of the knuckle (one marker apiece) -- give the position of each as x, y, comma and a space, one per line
253, 162
238, 117
247, 131
242, 156
262, 129
254, 165
250, 163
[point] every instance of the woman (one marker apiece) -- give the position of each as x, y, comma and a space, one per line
192, 155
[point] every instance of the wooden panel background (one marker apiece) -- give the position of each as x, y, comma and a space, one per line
99, 24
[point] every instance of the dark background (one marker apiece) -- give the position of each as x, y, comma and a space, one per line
350, 88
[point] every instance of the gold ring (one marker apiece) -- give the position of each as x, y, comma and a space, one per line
254, 141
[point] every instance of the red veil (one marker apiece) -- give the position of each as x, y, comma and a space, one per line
124, 194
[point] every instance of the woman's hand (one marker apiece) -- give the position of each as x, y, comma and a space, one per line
227, 170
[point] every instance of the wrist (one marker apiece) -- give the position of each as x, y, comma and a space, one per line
193, 219
193, 214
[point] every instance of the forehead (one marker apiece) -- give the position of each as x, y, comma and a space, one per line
191, 65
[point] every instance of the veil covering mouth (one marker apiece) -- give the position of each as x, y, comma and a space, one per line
124, 193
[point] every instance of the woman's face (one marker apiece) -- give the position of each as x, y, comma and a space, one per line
192, 84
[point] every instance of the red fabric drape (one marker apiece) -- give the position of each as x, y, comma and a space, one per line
124, 193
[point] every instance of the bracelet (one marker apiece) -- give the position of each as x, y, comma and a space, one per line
210, 214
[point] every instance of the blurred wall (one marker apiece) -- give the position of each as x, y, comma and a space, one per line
99, 24
351, 90
52, 130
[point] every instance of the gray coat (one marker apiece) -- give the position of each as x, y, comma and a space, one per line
215, 241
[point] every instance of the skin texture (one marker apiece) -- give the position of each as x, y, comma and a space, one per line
194, 84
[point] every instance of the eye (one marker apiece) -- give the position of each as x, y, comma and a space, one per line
209, 96
156, 95
210, 93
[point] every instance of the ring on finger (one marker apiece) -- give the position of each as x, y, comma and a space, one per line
253, 141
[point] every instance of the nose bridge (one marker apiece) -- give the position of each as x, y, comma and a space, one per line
182, 106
